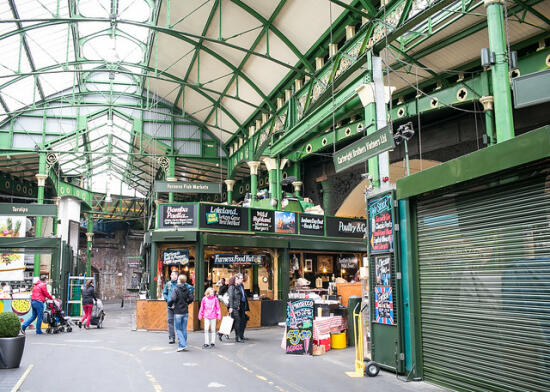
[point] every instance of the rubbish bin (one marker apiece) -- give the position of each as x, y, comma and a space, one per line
353, 302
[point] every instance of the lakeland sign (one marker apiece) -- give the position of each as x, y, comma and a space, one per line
188, 187
365, 148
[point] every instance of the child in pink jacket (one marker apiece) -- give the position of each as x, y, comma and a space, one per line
210, 311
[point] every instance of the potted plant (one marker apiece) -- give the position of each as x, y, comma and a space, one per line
12, 341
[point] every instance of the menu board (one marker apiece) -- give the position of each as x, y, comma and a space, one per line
223, 217
383, 305
348, 261
380, 217
176, 215
262, 221
299, 326
175, 257
344, 227
312, 225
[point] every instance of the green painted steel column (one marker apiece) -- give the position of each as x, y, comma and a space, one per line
153, 271
500, 73
297, 187
171, 176
89, 237
283, 276
200, 267
253, 165
41, 177
272, 165
328, 200
488, 107
229, 184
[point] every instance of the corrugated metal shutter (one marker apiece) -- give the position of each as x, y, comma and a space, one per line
484, 274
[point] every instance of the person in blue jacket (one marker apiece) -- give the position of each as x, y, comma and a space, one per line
166, 294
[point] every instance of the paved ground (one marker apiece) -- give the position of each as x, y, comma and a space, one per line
117, 359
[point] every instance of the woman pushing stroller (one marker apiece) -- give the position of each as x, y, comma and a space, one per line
88, 299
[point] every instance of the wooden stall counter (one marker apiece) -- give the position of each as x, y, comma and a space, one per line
346, 290
151, 315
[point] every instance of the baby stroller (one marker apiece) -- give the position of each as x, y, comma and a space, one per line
55, 317
97, 314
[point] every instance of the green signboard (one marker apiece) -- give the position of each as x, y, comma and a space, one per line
188, 187
28, 209
363, 149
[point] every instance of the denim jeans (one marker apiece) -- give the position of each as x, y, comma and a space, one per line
170, 319
180, 323
37, 313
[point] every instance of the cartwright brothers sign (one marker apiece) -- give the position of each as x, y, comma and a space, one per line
363, 149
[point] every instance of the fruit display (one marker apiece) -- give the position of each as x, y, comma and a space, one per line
21, 306
7, 230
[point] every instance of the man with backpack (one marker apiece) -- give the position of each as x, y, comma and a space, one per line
180, 298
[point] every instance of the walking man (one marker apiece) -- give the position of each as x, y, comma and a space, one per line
238, 306
167, 293
180, 298
38, 297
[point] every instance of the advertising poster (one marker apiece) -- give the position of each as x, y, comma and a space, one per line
285, 222
223, 217
380, 224
382, 267
21, 307
12, 265
182, 215
383, 305
312, 224
262, 221
299, 326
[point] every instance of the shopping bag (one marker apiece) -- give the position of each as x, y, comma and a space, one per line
225, 327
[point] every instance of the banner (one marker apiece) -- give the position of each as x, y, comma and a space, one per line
312, 225
223, 217
12, 265
238, 259
344, 227
187, 187
262, 221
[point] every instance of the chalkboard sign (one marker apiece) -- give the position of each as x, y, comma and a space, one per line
299, 326
344, 227
262, 221
176, 215
380, 217
223, 217
175, 257
312, 225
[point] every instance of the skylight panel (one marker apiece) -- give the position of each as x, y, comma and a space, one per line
14, 58
53, 82
86, 29
112, 50
50, 45
41, 9
6, 14
138, 32
20, 94
94, 8
136, 10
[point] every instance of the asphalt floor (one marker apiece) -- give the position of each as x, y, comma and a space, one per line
117, 358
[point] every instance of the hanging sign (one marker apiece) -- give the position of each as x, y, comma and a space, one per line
175, 257
187, 187
285, 222
299, 326
380, 217
312, 225
223, 217
176, 215
23, 209
262, 221
365, 148
383, 305
344, 227
237, 259
348, 261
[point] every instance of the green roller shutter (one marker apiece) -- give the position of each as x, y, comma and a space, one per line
484, 277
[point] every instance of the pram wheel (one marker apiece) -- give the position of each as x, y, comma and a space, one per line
372, 369
69, 329
48, 330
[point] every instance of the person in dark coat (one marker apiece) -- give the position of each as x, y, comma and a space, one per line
180, 298
238, 305
223, 287
88, 299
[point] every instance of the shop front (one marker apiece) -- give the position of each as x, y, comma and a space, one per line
274, 250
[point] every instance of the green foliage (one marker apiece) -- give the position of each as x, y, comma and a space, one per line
9, 325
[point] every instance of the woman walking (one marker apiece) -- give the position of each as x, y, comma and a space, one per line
210, 311
88, 298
